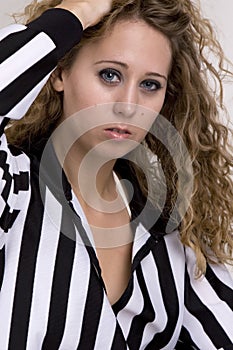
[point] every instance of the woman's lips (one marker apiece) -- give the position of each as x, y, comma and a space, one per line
117, 133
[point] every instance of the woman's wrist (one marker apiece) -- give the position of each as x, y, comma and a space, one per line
81, 12
89, 12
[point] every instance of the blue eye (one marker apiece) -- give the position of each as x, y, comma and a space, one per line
110, 76
151, 85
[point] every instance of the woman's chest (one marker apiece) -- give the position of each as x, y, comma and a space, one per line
54, 298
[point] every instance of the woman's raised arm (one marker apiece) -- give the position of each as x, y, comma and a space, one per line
28, 54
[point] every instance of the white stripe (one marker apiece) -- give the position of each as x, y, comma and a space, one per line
77, 298
177, 262
134, 307
222, 272
12, 247
17, 163
25, 58
79, 210
21, 108
230, 269
151, 277
176, 255
141, 236
197, 333
207, 295
3, 235
46, 259
122, 192
12, 28
107, 327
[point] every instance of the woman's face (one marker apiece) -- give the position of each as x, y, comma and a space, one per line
126, 72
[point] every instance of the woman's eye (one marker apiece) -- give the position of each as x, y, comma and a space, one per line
110, 76
151, 85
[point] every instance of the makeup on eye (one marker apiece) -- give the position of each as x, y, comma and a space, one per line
113, 76
110, 76
151, 85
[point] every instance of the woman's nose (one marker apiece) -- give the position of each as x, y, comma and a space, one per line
126, 102
125, 109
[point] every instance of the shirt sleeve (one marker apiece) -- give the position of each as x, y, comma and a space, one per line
28, 55
208, 315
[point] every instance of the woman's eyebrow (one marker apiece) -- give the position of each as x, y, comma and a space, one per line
124, 65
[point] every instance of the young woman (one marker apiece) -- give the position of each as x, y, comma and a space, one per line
116, 200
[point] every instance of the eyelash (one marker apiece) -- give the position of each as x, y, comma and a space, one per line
103, 73
156, 83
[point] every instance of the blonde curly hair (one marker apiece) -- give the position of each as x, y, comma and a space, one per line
192, 105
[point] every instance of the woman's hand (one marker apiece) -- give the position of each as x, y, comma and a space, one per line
89, 12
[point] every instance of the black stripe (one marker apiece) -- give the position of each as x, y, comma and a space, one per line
209, 323
141, 254
8, 218
92, 313
3, 124
2, 265
13, 42
21, 181
61, 26
26, 270
6, 175
21, 86
123, 301
224, 292
169, 294
118, 340
185, 341
140, 321
60, 291
229, 347
8, 215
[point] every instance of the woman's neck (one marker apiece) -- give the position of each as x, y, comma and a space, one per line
91, 178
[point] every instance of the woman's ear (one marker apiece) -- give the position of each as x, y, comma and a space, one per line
56, 80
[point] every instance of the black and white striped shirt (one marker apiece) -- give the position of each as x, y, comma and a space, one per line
51, 291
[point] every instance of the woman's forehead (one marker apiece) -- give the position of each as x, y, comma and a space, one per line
131, 41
